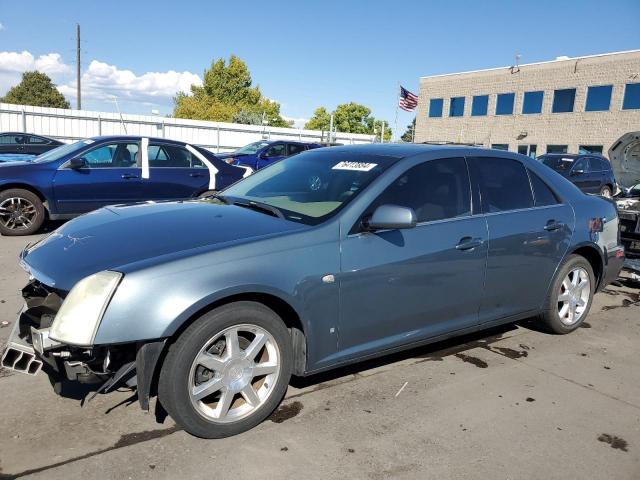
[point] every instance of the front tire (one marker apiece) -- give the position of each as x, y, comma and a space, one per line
570, 296
21, 212
227, 371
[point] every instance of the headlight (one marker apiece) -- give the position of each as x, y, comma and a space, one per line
78, 319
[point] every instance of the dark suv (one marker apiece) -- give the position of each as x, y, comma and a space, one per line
590, 173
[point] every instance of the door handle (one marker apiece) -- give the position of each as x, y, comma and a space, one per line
468, 243
195, 175
129, 176
553, 225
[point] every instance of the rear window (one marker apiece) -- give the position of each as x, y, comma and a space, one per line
504, 184
543, 194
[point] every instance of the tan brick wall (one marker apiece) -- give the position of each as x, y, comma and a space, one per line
572, 129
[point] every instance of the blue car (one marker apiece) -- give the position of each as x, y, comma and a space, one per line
322, 260
80, 177
260, 154
591, 173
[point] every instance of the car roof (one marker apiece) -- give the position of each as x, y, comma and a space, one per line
403, 150
101, 138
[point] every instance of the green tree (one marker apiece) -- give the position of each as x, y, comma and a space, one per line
36, 89
348, 118
407, 136
227, 95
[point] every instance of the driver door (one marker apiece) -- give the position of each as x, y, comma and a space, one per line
273, 153
111, 175
402, 286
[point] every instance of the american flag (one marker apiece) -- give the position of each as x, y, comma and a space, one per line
408, 101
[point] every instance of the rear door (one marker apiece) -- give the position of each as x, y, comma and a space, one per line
585, 175
174, 173
528, 235
111, 175
37, 145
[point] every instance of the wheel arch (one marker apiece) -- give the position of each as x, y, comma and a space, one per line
594, 256
28, 187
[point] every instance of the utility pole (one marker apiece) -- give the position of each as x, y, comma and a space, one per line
331, 129
79, 105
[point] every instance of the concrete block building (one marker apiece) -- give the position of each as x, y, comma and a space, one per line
567, 105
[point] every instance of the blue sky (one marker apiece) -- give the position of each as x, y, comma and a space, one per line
302, 53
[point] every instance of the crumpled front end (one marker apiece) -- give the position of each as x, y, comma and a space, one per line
629, 214
30, 349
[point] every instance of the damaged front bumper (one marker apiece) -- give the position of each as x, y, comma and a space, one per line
30, 350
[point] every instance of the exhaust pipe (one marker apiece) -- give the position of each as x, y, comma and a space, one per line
21, 360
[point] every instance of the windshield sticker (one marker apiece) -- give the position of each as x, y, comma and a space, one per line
356, 166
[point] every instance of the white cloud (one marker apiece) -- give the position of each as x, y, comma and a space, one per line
102, 81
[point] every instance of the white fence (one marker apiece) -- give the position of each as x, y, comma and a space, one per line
72, 125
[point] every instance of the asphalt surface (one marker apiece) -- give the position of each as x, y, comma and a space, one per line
509, 403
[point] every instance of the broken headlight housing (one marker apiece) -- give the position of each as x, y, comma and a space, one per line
79, 316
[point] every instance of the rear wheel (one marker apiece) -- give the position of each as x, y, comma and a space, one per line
606, 191
570, 296
21, 212
227, 371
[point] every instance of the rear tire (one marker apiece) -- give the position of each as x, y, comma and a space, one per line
21, 212
227, 371
570, 296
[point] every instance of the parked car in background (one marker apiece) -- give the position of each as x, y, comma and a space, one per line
76, 178
26, 143
590, 173
260, 154
322, 260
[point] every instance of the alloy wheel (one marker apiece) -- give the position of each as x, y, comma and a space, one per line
17, 213
233, 374
573, 297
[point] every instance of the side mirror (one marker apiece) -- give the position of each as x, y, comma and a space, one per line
76, 163
577, 172
387, 217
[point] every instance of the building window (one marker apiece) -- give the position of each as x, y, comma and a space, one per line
500, 146
456, 108
529, 150
479, 105
631, 96
435, 107
598, 98
563, 100
504, 105
532, 102
586, 149
557, 148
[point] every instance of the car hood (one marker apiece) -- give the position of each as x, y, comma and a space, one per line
624, 155
113, 237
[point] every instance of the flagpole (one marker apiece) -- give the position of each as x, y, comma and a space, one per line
395, 130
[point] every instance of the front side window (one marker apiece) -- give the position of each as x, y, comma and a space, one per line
113, 155
294, 148
456, 107
434, 190
479, 105
11, 139
543, 195
504, 103
532, 102
435, 107
631, 99
504, 184
598, 98
278, 150
581, 165
313, 185
563, 100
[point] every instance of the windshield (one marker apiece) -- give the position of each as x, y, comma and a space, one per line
311, 186
558, 163
61, 151
251, 148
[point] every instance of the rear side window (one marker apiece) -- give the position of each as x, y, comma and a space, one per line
543, 194
435, 190
293, 148
37, 140
504, 184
